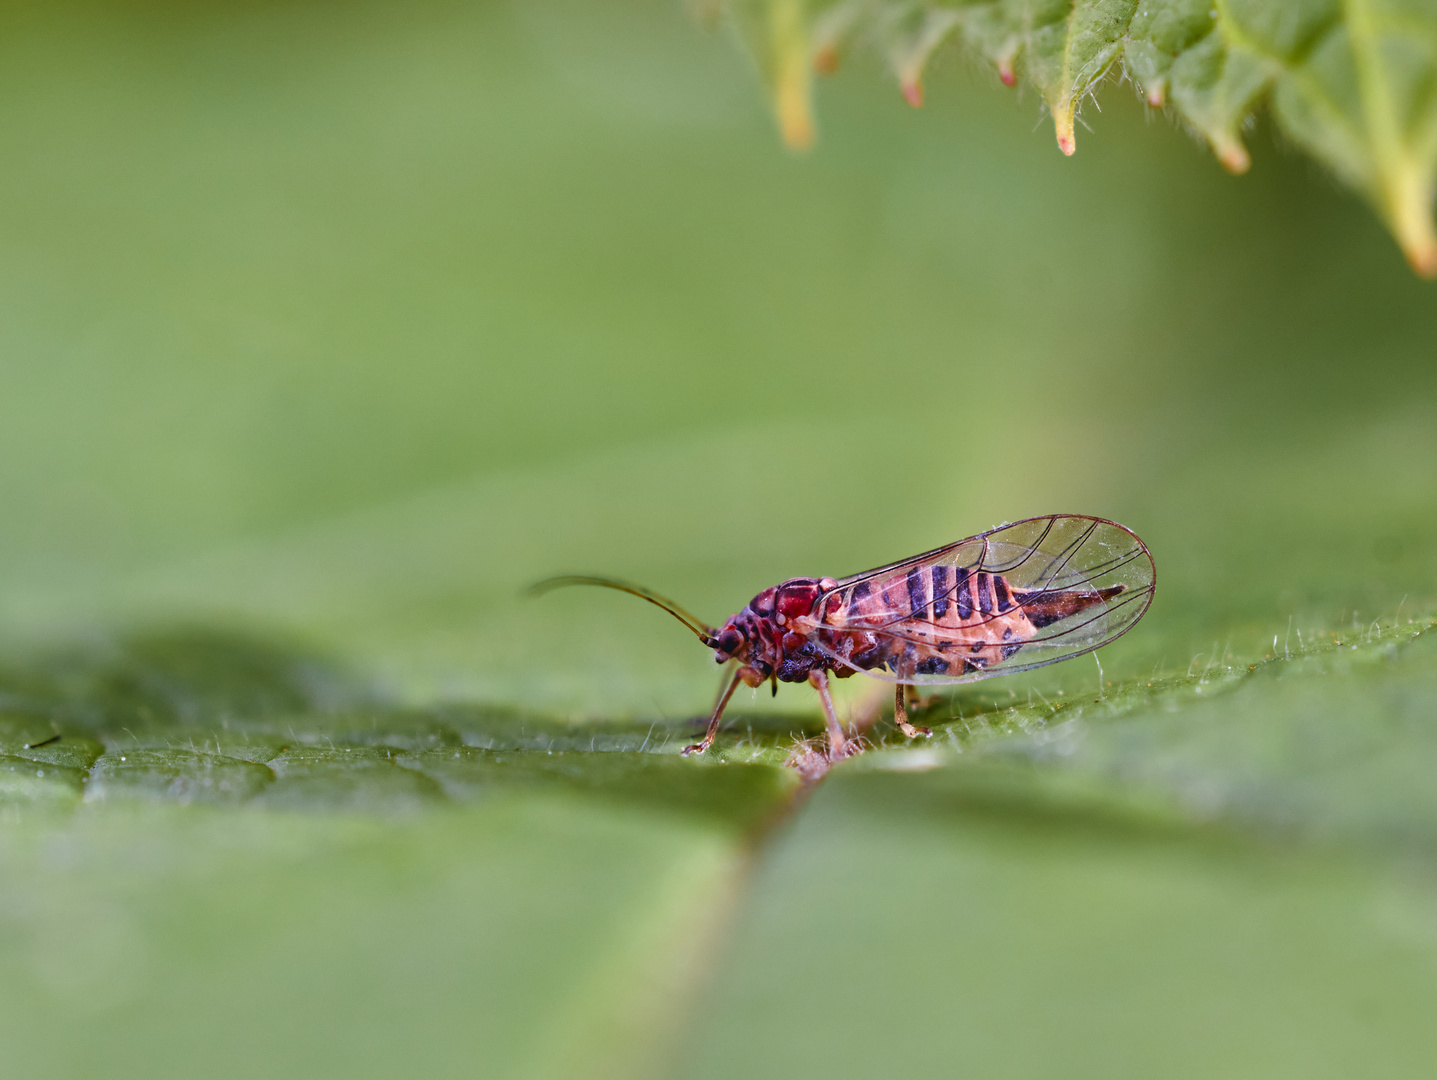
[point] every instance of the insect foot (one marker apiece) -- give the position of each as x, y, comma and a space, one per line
812, 758
809, 759
900, 714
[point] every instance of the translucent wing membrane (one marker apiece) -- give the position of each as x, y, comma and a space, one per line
1017, 597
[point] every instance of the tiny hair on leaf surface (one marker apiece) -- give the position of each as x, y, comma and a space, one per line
1351, 82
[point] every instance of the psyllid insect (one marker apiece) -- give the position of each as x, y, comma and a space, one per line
1010, 599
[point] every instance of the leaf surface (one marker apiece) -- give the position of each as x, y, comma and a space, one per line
323, 337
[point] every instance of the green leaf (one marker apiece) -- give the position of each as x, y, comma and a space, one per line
1354, 83
323, 337
1209, 877
258, 829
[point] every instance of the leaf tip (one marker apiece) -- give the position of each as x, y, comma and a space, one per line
913, 92
1157, 96
789, 61
795, 126
1063, 125
1411, 218
825, 60
1421, 252
793, 107
1005, 59
1235, 158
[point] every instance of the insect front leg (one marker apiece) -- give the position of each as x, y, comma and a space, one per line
837, 742
900, 713
725, 676
709, 735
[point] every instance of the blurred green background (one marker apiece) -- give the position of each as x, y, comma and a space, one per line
324, 328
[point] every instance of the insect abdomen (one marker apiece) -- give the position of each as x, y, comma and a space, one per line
931, 620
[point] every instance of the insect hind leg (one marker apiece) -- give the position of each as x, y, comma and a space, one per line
900, 712
918, 701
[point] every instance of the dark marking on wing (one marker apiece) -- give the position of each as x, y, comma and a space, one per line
856, 596
985, 594
1001, 593
965, 594
940, 591
917, 601
1047, 606
870, 657
933, 665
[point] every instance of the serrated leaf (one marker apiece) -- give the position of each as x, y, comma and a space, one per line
1354, 82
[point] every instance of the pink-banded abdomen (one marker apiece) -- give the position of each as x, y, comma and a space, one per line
940, 619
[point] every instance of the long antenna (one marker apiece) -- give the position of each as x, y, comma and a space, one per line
704, 632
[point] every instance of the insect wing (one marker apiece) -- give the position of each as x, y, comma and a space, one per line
1080, 581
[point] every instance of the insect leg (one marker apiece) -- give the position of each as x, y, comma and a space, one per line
708, 739
837, 743
900, 713
918, 701
724, 676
